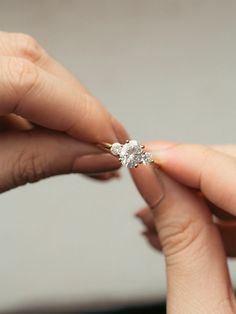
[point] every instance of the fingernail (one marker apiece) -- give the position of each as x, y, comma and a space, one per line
160, 149
105, 176
160, 145
116, 174
91, 164
119, 130
148, 182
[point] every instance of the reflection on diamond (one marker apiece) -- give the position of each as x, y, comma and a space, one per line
147, 158
131, 154
116, 149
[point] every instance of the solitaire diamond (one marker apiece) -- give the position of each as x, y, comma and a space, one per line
131, 154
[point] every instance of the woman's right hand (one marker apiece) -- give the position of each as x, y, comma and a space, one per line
195, 180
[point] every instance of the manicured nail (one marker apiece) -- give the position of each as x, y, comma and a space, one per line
119, 130
94, 164
105, 176
148, 183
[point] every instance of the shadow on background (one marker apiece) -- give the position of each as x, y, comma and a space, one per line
141, 309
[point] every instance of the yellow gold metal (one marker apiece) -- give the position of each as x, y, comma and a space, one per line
104, 146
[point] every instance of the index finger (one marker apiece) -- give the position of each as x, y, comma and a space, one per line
203, 168
29, 91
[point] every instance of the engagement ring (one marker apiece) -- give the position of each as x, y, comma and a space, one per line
130, 154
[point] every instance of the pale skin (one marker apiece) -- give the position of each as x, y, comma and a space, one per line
50, 125
197, 180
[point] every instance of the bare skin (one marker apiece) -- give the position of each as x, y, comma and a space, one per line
196, 179
49, 125
49, 122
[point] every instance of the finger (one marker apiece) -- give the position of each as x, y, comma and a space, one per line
29, 91
26, 47
147, 183
12, 122
146, 216
152, 239
229, 149
105, 176
220, 213
37, 154
228, 234
190, 243
104, 162
227, 231
203, 168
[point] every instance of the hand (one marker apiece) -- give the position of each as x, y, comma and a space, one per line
48, 121
195, 180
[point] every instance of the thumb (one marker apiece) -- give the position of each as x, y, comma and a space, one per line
200, 167
30, 156
197, 273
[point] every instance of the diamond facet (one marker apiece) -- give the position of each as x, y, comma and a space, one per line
131, 154
116, 149
147, 158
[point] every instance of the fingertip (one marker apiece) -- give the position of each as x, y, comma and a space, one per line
120, 132
159, 145
147, 182
106, 176
152, 239
98, 163
140, 212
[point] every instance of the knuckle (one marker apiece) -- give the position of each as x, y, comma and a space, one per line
28, 167
179, 236
29, 164
22, 76
28, 47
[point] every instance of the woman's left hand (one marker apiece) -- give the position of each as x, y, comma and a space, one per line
49, 122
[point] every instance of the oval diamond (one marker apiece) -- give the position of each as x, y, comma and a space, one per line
131, 154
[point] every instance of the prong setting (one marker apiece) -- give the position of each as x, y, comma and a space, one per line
131, 153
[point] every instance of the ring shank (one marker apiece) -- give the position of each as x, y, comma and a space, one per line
104, 146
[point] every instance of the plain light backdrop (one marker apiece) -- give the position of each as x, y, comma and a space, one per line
167, 70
